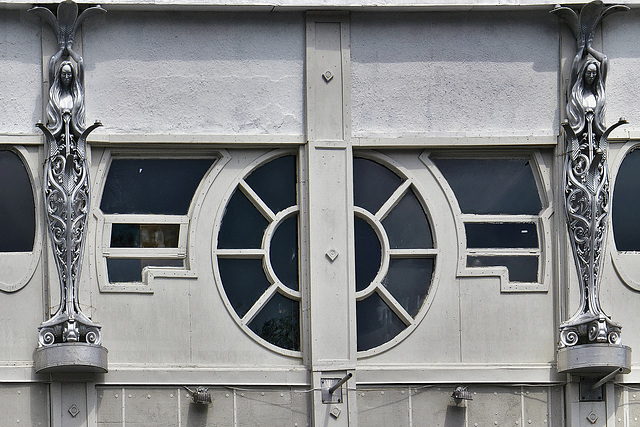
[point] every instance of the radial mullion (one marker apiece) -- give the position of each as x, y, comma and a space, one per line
413, 253
241, 253
264, 298
393, 200
257, 201
395, 306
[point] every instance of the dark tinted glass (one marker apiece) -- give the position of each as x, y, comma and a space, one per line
244, 282
492, 186
17, 205
284, 252
377, 323
373, 184
408, 280
407, 225
152, 186
626, 204
278, 323
275, 183
368, 253
242, 224
145, 235
502, 235
521, 268
130, 269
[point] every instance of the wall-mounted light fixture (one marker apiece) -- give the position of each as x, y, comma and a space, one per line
461, 393
200, 395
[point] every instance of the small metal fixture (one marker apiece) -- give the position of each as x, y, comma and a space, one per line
461, 393
330, 386
200, 395
607, 378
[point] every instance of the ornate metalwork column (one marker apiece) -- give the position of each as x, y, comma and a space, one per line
587, 196
67, 195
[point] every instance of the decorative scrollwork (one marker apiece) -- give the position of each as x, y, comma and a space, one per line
66, 175
46, 337
586, 183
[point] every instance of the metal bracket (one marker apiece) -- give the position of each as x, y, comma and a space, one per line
330, 386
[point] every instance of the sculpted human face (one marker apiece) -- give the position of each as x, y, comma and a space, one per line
590, 74
66, 74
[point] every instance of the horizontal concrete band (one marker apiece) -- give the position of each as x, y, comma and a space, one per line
70, 357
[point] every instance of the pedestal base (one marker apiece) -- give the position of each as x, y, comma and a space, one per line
594, 359
71, 357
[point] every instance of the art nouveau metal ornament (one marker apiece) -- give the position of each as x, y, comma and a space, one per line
66, 176
586, 180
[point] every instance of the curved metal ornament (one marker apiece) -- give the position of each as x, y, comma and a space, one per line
586, 177
66, 178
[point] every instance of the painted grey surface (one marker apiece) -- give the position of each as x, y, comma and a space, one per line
203, 73
454, 72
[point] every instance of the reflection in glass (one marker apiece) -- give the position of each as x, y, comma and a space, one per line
152, 186
242, 225
501, 235
492, 186
368, 253
122, 270
377, 323
278, 322
407, 225
408, 280
145, 235
284, 252
275, 183
244, 282
626, 213
521, 268
373, 184
17, 205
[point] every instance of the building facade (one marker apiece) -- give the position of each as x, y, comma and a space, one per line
290, 194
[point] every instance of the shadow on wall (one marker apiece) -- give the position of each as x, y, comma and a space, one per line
454, 416
197, 415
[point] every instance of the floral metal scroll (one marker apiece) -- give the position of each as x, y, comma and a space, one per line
586, 189
66, 175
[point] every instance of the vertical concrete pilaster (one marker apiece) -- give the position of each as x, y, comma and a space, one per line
331, 253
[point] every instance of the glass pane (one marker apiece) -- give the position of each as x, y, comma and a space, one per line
368, 253
521, 268
377, 323
284, 252
130, 269
242, 225
278, 322
275, 183
17, 205
152, 186
144, 235
244, 282
626, 204
408, 280
492, 186
502, 235
373, 184
407, 225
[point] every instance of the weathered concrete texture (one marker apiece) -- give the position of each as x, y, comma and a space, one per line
20, 80
620, 38
474, 73
191, 73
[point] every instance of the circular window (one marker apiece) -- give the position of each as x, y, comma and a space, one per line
257, 254
395, 255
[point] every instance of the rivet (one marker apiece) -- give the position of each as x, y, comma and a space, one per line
529, 421
171, 395
475, 424
226, 395
635, 419
634, 396
362, 394
130, 396
517, 422
495, 422
262, 394
148, 396
116, 395
100, 396
495, 393
281, 394
402, 392
382, 392
619, 420
18, 421
242, 394
19, 392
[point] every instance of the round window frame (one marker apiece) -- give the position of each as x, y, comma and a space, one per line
262, 253
422, 196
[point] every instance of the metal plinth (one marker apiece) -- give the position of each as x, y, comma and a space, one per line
71, 357
594, 359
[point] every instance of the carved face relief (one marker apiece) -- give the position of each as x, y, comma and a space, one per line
590, 74
66, 75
